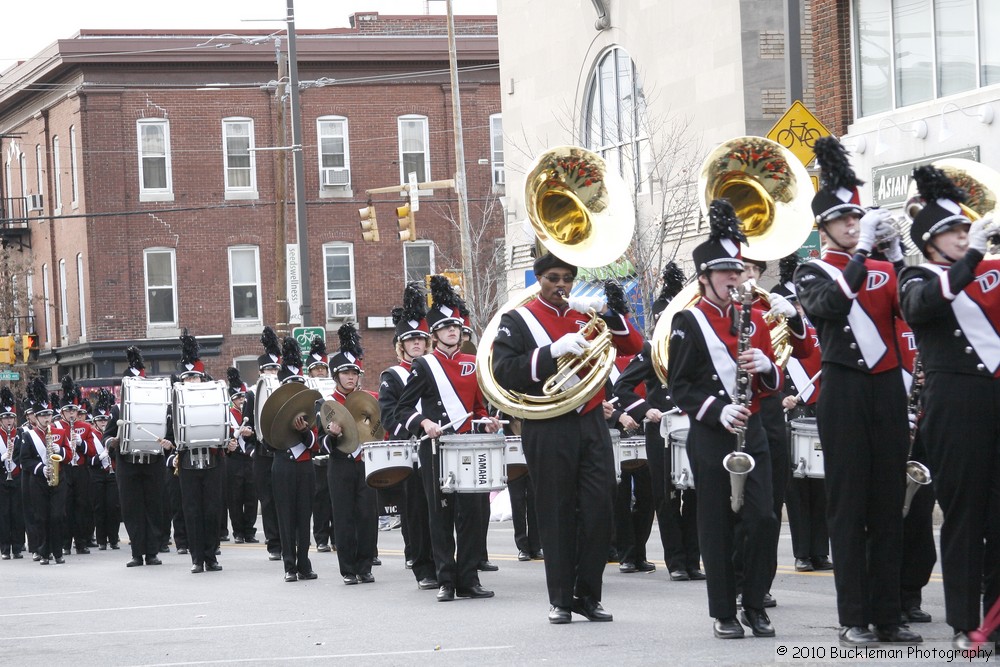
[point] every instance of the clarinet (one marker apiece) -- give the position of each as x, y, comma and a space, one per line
738, 463
917, 474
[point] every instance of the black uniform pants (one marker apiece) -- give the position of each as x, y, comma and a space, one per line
355, 518
11, 516
107, 508
676, 509
223, 517
633, 522
961, 432
294, 489
322, 513
416, 528
707, 447
522, 508
174, 510
240, 492
30, 525
201, 498
865, 434
140, 486
48, 503
571, 464
263, 467
79, 505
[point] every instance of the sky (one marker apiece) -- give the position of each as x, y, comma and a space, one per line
32, 25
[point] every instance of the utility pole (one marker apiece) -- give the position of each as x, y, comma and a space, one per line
301, 227
281, 190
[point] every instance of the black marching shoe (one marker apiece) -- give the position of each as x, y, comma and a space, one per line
427, 584
560, 615
290, 577
251, 540
5, 557
213, 567
728, 628
626, 567
769, 601
273, 555
446, 593
803, 565
476, 591
644, 566
197, 568
487, 566
523, 556
696, 575
135, 562
153, 560
822, 563
182, 551
857, 635
44, 561
408, 564
591, 609
102, 547
366, 578
18, 555
897, 633
114, 545
962, 641
307, 576
537, 555
82, 550
758, 622
376, 561
916, 615
60, 560
679, 575
350, 579
238, 540
323, 547
36, 557
164, 550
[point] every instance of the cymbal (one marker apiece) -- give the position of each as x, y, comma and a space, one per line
367, 415
332, 411
274, 403
283, 433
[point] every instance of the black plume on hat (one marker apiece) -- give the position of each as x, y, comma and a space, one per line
37, 391
835, 165
723, 223
414, 302
70, 393
134, 356
189, 348
350, 340
941, 210
269, 340
53, 399
934, 184
442, 293
291, 354
234, 381
317, 347
615, 296
787, 266
673, 281
105, 401
7, 403
397, 315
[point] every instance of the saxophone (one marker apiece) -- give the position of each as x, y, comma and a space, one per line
739, 463
917, 474
52, 464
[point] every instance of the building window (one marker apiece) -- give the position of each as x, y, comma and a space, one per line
418, 261
75, 184
161, 287
39, 184
496, 148
22, 165
56, 174
248, 368
244, 281
334, 152
63, 300
237, 148
911, 51
615, 124
414, 151
82, 295
46, 304
154, 156
338, 264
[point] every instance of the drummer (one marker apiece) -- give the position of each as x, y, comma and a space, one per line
355, 519
318, 366
444, 383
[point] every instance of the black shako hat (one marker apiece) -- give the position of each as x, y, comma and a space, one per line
550, 261
838, 185
349, 355
941, 211
722, 249
410, 320
445, 305
272, 350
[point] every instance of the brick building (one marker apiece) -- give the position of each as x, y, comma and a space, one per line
139, 185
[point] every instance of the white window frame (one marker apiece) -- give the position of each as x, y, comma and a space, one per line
403, 177
74, 182
46, 302
63, 299
327, 299
251, 323
39, 182
22, 166
15, 304
83, 297
406, 265
56, 175
330, 190
234, 191
145, 279
155, 194
496, 166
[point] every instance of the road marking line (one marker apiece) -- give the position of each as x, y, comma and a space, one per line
172, 629
41, 595
377, 654
88, 611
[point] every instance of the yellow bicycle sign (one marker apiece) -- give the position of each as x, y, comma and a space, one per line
797, 130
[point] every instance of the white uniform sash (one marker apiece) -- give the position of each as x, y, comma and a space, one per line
542, 338
867, 335
453, 405
722, 360
976, 326
800, 378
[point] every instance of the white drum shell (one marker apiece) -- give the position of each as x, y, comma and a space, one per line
201, 414
671, 423
145, 402
517, 464
266, 384
472, 463
615, 439
388, 463
681, 474
631, 453
807, 452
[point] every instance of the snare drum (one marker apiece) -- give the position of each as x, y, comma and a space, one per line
201, 414
631, 453
681, 475
266, 384
388, 463
673, 422
807, 452
517, 465
145, 402
472, 463
615, 439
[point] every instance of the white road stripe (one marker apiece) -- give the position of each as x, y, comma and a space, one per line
89, 611
330, 656
132, 631
42, 595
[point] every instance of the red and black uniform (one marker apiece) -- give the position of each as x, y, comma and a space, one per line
702, 374
46, 503
442, 388
570, 459
861, 416
242, 499
75, 474
107, 504
415, 522
11, 505
355, 515
294, 483
955, 314
202, 489
263, 464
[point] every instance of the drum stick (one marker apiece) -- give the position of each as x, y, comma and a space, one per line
121, 422
487, 421
612, 401
450, 424
812, 381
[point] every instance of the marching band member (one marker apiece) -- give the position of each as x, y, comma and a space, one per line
569, 457
11, 505
294, 479
239, 466
30, 525
322, 508
952, 306
107, 508
411, 340
444, 384
263, 454
861, 414
707, 337
355, 519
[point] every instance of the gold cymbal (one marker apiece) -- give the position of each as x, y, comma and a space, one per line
274, 403
332, 411
283, 433
367, 415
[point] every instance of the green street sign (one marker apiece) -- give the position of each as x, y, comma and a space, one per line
10, 376
304, 335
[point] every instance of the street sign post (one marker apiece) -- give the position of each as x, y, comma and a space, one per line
414, 192
797, 130
10, 376
304, 336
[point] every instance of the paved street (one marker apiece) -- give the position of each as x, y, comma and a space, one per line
93, 610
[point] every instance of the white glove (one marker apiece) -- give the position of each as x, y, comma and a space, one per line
781, 306
869, 224
582, 304
732, 417
912, 417
758, 362
571, 343
978, 238
893, 248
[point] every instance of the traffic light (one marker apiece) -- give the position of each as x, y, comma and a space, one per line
29, 347
407, 223
369, 224
7, 350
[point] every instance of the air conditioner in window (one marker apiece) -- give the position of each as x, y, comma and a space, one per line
335, 177
35, 202
64, 330
339, 310
498, 174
